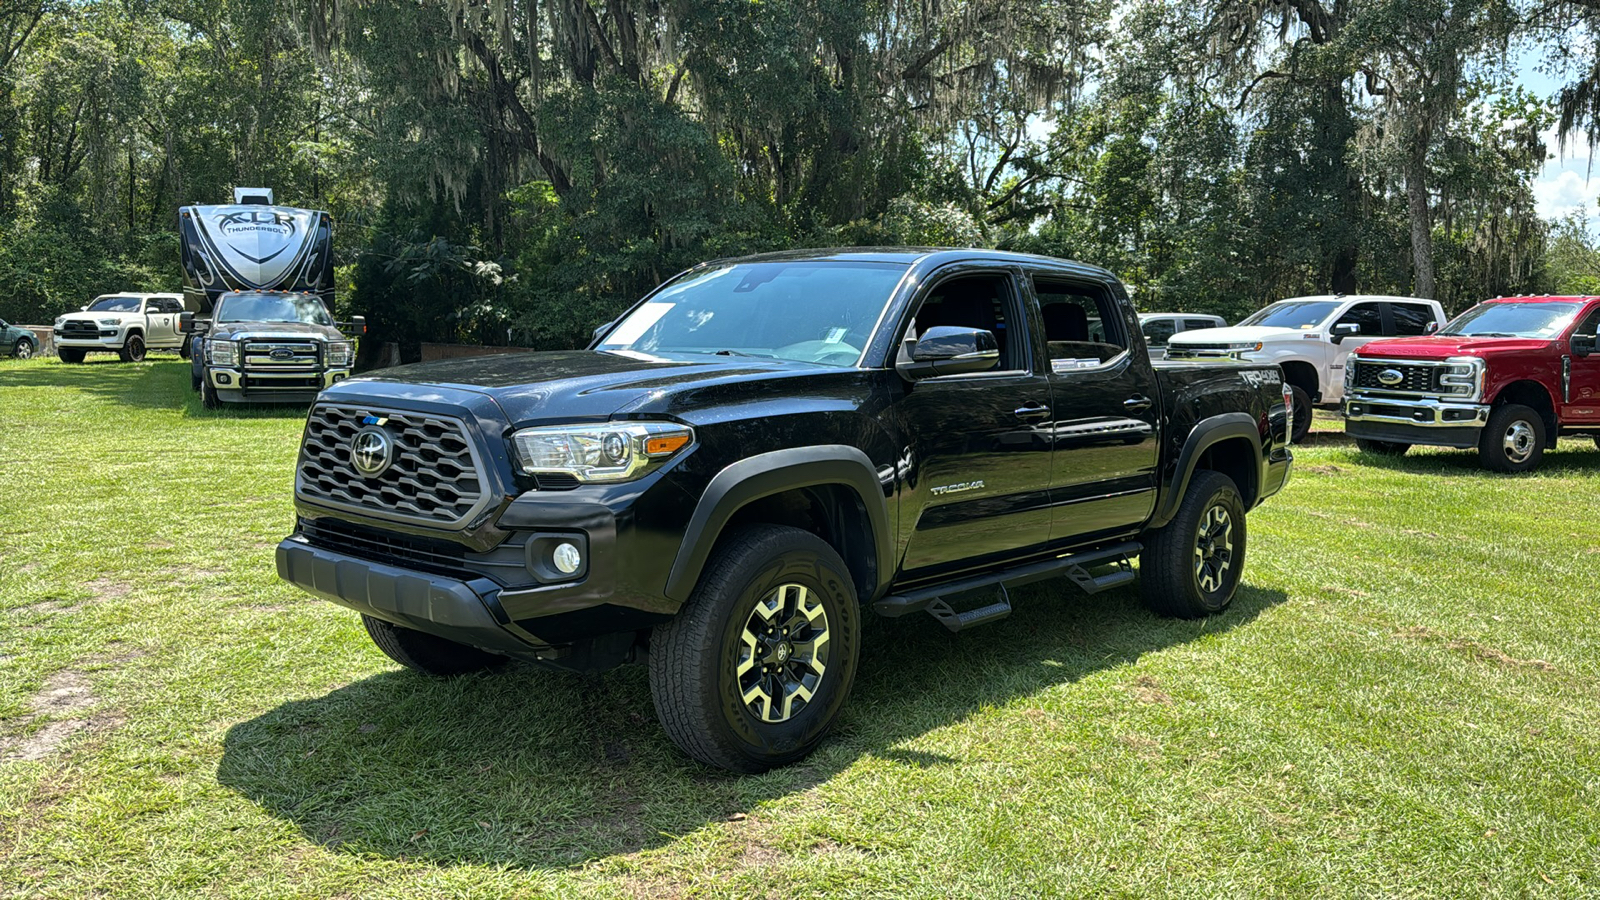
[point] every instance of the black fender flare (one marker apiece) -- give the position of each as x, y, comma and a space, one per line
771, 473
1206, 433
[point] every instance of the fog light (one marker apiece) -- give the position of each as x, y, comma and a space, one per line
222, 378
567, 559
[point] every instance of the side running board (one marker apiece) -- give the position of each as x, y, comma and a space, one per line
1075, 566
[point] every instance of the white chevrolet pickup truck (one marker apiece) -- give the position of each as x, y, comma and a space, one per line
1309, 338
124, 324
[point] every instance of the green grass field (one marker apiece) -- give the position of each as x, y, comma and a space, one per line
1403, 701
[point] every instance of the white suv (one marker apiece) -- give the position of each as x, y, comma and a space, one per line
1159, 328
1309, 337
124, 324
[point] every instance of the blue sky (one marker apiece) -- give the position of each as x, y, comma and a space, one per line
1566, 185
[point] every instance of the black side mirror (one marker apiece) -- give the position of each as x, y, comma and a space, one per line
950, 350
1583, 344
1430, 328
186, 322
1338, 333
358, 324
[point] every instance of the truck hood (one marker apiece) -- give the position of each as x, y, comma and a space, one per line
237, 331
1442, 346
1242, 334
81, 316
582, 384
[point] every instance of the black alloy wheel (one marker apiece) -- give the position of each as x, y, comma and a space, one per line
1190, 567
132, 349
753, 671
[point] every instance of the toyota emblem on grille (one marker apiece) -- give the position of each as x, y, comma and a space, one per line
1391, 377
371, 451
281, 353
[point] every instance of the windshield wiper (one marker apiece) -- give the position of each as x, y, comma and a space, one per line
735, 353
1488, 334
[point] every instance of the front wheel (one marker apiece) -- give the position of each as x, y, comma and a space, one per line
755, 668
70, 354
132, 349
208, 395
427, 653
1301, 426
23, 349
1381, 448
1513, 441
1190, 567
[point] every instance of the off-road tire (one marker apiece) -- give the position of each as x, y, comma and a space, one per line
71, 354
1513, 440
428, 653
1381, 448
194, 382
694, 659
1168, 576
183, 349
1303, 414
208, 395
22, 349
132, 349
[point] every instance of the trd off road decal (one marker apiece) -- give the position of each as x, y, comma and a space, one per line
1259, 378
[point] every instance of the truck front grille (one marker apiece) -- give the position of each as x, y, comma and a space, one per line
434, 476
77, 329
506, 564
281, 356
1415, 378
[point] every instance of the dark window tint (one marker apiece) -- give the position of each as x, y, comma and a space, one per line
1590, 322
1410, 318
1367, 315
975, 301
1158, 331
1082, 325
1192, 324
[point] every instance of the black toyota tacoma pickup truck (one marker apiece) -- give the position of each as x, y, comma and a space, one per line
761, 451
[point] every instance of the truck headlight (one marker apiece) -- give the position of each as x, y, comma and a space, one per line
223, 353
1350, 373
340, 353
60, 320
109, 321
1462, 377
605, 452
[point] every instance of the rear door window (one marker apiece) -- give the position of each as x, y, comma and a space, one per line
1411, 318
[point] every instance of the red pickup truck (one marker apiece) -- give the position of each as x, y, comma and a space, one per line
1506, 378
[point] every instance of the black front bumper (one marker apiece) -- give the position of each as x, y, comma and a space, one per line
467, 612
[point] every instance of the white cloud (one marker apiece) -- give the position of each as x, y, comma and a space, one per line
1566, 185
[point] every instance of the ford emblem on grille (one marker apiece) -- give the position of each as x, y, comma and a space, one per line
281, 353
371, 451
1391, 377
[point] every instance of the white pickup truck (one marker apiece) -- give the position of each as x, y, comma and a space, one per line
1309, 338
124, 324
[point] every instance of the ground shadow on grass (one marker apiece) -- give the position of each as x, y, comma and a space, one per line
160, 382
528, 767
1571, 456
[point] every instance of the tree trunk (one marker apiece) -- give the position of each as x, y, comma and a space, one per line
1416, 172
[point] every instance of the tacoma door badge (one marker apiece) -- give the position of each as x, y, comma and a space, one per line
957, 488
371, 451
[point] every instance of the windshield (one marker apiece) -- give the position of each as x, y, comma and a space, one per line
303, 308
1293, 314
814, 311
1527, 320
115, 304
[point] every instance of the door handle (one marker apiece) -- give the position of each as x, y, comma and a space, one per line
1137, 403
1032, 411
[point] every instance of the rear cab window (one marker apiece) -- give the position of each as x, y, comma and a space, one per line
1083, 326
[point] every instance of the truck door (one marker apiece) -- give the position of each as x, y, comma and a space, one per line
1369, 318
160, 323
978, 469
1105, 410
1580, 376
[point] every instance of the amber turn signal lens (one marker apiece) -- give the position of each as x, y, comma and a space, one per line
666, 445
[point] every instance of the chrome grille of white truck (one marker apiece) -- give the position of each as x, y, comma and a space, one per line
281, 356
433, 477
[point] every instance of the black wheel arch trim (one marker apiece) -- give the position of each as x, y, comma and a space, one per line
1206, 434
765, 474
